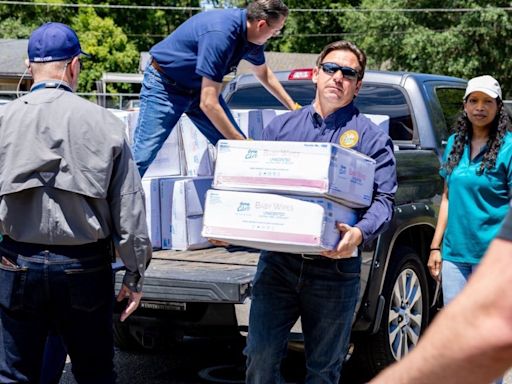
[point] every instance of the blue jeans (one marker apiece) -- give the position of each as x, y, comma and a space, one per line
66, 289
323, 292
454, 278
54, 359
162, 103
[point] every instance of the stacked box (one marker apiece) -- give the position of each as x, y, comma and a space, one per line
296, 224
182, 207
169, 160
258, 119
151, 188
319, 169
197, 149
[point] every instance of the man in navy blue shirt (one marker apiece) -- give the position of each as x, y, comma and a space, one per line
187, 68
323, 290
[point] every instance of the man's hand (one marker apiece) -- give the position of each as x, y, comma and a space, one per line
351, 237
133, 301
218, 243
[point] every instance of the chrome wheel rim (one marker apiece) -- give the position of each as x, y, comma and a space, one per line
405, 313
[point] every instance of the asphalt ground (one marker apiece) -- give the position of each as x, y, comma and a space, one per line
197, 361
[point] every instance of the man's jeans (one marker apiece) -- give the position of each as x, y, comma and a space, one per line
324, 292
67, 289
162, 103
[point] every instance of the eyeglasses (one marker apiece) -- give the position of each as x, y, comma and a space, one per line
347, 72
275, 31
79, 63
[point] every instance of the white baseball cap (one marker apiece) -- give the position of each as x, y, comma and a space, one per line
486, 84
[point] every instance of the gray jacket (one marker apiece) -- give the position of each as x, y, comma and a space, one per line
67, 177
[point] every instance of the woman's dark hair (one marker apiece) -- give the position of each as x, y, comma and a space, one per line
499, 127
268, 10
343, 45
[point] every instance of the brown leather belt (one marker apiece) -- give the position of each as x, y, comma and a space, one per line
157, 66
172, 82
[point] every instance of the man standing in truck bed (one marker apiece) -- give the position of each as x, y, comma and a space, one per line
322, 290
186, 71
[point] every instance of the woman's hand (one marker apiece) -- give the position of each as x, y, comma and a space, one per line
435, 261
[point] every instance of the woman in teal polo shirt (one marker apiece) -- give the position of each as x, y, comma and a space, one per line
477, 168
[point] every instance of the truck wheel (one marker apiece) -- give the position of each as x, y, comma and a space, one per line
405, 316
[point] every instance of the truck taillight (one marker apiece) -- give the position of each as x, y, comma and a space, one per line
301, 74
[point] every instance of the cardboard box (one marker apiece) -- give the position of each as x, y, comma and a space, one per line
169, 160
320, 169
151, 188
382, 121
258, 119
241, 117
182, 207
298, 224
253, 121
196, 149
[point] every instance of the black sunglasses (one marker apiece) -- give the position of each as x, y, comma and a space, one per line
347, 72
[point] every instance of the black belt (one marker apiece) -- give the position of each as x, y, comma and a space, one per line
102, 245
171, 81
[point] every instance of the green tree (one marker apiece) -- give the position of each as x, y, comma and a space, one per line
17, 21
109, 46
463, 44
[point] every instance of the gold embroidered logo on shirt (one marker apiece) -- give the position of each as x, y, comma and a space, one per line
349, 139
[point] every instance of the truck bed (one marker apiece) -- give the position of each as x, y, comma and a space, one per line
209, 275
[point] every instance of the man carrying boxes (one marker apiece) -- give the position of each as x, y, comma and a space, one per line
321, 289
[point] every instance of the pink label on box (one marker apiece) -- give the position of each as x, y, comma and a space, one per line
273, 181
257, 235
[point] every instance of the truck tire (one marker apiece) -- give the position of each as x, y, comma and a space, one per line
405, 316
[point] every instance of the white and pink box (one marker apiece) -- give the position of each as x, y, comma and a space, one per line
285, 167
151, 188
181, 212
294, 224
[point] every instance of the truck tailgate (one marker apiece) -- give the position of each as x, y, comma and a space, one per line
218, 274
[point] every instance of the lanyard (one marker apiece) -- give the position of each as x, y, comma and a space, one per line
56, 85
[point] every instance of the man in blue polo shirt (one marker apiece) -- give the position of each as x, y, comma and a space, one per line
186, 71
323, 291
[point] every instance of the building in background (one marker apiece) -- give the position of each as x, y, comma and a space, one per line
12, 67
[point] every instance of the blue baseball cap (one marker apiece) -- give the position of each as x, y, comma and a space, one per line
53, 42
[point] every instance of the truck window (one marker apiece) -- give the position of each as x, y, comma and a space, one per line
258, 97
450, 100
385, 103
385, 100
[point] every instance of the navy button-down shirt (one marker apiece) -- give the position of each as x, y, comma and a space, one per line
209, 44
350, 129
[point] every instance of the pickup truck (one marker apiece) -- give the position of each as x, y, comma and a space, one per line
207, 292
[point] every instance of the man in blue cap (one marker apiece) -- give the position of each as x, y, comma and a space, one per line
186, 71
69, 189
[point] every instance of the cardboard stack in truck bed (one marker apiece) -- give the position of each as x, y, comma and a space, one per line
151, 188
181, 212
321, 169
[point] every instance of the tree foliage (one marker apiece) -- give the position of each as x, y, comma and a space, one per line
463, 44
110, 49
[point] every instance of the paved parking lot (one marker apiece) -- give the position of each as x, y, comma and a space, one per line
197, 361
